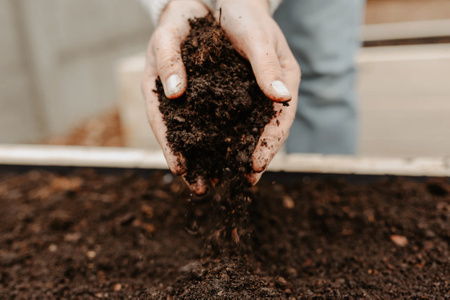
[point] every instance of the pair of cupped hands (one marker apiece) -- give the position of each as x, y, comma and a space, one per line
257, 37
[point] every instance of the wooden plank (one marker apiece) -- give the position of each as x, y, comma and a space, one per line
406, 30
389, 11
39, 155
384, 147
405, 100
402, 125
410, 103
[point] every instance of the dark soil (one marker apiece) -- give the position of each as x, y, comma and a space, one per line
217, 123
86, 235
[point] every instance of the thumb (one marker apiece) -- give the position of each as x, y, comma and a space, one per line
269, 74
169, 63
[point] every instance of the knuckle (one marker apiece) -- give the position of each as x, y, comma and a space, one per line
259, 35
157, 35
271, 65
167, 62
267, 66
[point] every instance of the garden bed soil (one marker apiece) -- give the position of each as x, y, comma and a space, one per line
85, 234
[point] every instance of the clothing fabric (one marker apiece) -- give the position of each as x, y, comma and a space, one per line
324, 36
155, 7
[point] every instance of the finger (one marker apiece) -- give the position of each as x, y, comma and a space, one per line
253, 178
264, 59
199, 187
277, 130
269, 143
176, 163
289, 65
167, 41
274, 135
169, 64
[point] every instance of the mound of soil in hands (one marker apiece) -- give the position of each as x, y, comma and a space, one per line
216, 126
85, 235
217, 123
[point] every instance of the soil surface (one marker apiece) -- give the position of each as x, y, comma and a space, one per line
217, 123
87, 235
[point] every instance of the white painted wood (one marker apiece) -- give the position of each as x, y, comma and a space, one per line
39, 155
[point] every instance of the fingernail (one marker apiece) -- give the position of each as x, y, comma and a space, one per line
281, 88
173, 85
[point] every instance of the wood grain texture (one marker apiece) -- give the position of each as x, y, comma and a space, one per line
390, 11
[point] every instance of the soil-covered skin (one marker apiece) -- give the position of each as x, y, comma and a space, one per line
85, 235
217, 123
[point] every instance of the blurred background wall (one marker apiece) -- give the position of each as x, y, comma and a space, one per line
57, 61
63, 62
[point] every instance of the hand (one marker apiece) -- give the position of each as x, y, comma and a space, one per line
164, 60
257, 37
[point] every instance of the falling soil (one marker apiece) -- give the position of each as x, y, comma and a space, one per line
85, 234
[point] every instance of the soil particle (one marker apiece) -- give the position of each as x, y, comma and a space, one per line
399, 240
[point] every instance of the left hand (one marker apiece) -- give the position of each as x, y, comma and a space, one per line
164, 61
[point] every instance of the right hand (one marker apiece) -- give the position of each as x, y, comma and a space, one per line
164, 60
257, 37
